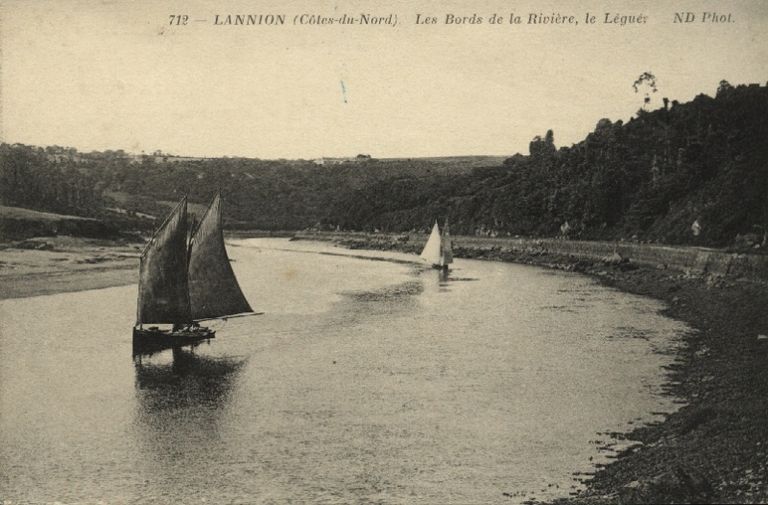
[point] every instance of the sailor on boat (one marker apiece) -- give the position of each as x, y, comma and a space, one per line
185, 277
438, 250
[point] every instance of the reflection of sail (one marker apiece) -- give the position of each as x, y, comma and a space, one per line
163, 291
180, 407
431, 252
213, 288
188, 380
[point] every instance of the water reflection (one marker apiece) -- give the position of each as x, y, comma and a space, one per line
181, 404
446, 277
386, 303
442, 281
180, 398
187, 380
143, 350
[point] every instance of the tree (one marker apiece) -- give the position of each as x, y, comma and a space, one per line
647, 83
723, 87
540, 148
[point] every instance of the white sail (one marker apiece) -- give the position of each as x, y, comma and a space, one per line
446, 256
432, 249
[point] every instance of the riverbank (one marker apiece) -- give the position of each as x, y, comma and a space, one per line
712, 449
58, 264
48, 265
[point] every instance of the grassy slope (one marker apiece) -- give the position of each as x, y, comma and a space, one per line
34, 215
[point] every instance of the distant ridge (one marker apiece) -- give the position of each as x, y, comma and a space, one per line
470, 160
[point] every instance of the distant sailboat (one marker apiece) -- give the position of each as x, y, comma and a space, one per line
185, 277
438, 250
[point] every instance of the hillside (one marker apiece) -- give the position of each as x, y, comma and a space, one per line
18, 223
650, 179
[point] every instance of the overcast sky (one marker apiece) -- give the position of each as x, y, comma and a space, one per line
114, 75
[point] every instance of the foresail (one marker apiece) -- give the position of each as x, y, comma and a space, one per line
163, 290
213, 288
431, 252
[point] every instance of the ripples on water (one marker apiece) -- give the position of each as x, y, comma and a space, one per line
363, 381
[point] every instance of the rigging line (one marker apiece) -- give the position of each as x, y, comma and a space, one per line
224, 318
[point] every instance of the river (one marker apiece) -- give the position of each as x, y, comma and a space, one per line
367, 379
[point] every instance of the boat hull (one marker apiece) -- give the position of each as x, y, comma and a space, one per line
155, 339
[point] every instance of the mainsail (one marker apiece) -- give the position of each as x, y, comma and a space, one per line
447, 253
431, 252
213, 288
163, 288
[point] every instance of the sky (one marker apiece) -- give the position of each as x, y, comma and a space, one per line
107, 74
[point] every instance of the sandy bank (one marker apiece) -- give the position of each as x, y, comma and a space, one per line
59, 264
62, 263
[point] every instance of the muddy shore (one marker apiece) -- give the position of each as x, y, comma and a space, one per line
48, 265
58, 264
714, 448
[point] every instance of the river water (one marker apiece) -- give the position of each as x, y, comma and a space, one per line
367, 379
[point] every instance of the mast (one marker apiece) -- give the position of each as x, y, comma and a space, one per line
213, 288
446, 256
163, 288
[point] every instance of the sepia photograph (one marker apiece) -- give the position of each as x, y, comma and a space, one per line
393, 252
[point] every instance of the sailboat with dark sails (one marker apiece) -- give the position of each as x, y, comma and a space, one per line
185, 277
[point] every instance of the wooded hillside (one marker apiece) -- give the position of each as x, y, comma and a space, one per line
651, 178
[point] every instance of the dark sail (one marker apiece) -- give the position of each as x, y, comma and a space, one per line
163, 287
213, 288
